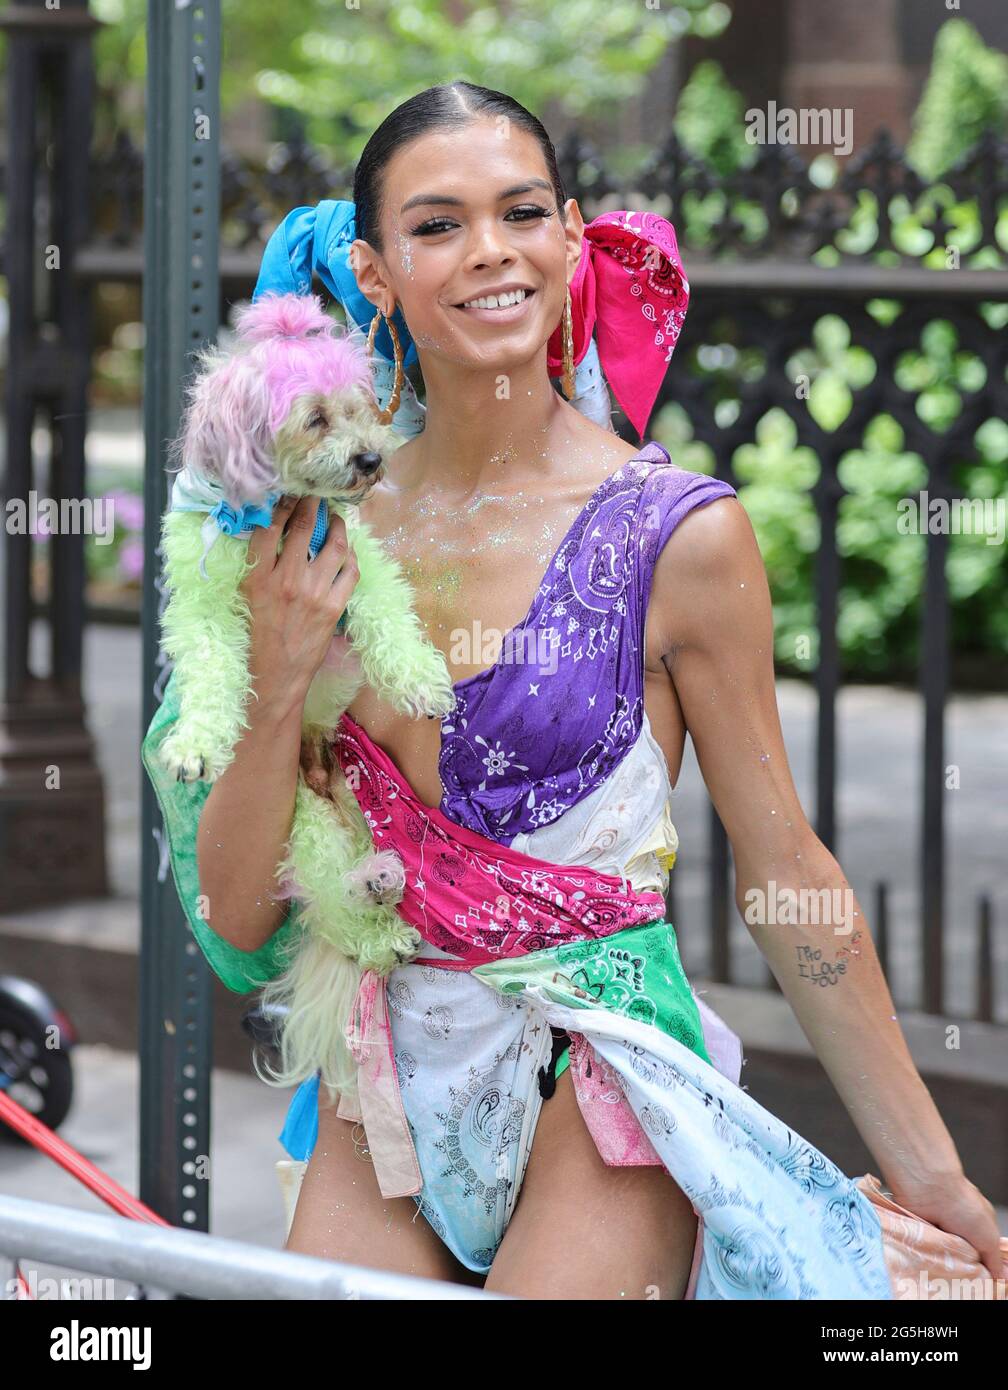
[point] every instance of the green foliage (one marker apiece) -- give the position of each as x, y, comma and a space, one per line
709, 119
710, 123
882, 567
966, 94
967, 79
344, 68
120, 61
830, 371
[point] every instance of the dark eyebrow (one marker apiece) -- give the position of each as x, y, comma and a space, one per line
422, 199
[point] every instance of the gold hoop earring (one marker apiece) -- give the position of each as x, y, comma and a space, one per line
385, 416
568, 347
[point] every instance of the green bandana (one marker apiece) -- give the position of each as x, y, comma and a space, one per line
636, 972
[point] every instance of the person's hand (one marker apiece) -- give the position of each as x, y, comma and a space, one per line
295, 602
954, 1204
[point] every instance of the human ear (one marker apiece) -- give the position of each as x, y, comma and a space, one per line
574, 235
370, 276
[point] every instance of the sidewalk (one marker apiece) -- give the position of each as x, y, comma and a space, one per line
103, 1124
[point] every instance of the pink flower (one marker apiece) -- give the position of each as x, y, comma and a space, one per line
131, 560
127, 509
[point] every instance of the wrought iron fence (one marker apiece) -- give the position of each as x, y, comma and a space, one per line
777, 207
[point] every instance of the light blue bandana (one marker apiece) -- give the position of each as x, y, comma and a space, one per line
193, 491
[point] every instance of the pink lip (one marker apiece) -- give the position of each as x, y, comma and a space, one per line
509, 315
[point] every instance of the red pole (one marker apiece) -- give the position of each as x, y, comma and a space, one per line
23, 1122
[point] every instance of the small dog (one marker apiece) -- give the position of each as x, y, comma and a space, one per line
290, 410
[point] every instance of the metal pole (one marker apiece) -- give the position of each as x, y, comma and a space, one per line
934, 679
195, 1264
181, 311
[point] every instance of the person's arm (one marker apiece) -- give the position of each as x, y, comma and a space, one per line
713, 602
246, 820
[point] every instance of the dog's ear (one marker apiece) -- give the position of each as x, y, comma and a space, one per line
225, 431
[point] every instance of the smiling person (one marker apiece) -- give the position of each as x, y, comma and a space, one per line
564, 1112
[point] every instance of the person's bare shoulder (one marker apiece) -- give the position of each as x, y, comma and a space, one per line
711, 560
606, 445
606, 451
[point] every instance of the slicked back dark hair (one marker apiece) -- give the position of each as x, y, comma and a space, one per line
452, 104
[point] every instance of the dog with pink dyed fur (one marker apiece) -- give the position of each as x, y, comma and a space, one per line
289, 408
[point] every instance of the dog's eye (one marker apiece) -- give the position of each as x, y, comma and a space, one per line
318, 421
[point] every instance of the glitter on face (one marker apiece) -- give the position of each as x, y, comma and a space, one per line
405, 252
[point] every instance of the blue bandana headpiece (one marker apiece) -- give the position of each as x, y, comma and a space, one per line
317, 240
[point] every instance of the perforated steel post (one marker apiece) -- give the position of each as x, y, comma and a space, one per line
181, 311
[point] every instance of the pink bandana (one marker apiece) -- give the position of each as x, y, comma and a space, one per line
471, 896
630, 287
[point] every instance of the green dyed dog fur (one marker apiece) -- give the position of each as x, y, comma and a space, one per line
205, 629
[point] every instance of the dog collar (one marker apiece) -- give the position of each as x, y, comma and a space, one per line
239, 522
226, 520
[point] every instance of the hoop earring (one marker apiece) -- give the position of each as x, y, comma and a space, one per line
385, 416
568, 348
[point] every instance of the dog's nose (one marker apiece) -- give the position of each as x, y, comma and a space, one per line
366, 463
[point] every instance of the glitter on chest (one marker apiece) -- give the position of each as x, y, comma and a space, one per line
453, 545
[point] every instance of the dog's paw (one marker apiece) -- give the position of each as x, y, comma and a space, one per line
380, 879
186, 765
193, 769
408, 948
405, 944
